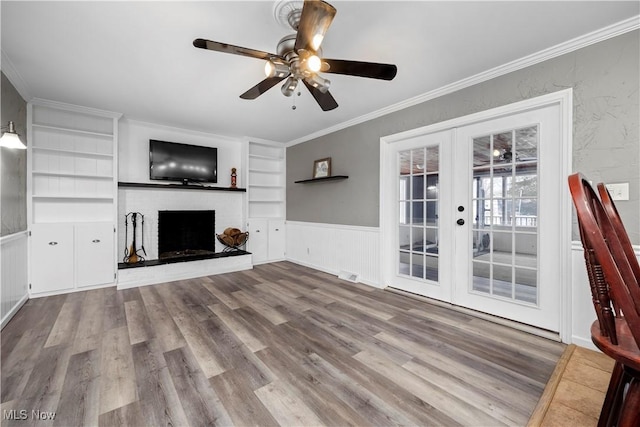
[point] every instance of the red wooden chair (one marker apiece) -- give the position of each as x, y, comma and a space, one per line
616, 299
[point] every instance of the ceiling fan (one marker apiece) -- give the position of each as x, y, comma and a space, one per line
299, 56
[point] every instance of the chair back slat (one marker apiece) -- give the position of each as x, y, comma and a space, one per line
613, 283
599, 292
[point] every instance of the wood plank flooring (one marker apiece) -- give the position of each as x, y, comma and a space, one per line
277, 345
575, 393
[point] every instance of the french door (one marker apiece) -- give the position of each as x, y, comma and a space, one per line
424, 187
477, 215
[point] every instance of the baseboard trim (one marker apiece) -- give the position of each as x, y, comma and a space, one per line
7, 318
72, 290
330, 271
554, 336
581, 342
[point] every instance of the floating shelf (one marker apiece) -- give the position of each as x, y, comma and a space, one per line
177, 186
323, 179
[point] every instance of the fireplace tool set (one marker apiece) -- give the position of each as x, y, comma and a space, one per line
132, 252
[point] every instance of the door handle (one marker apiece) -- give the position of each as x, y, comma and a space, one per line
53, 243
460, 221
96, 240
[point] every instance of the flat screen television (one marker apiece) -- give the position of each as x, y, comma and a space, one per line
182, 162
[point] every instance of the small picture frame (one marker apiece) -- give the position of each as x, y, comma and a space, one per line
322, 168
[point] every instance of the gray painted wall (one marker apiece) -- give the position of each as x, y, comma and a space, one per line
605, 78
13, 172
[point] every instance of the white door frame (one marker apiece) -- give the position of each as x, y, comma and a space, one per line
564, 99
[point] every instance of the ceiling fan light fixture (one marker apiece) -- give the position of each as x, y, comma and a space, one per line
299, 57
314, 63
276, 69
289, 86
317, 41
319, 83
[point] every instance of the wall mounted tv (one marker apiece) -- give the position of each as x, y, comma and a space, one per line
182, 162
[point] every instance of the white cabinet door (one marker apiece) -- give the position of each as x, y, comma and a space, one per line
258, 243
276, 239
51, 257
94, 254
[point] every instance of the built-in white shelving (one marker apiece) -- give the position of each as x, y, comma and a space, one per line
107, 135
266, 198
71, 152
72, 196
266, 201
73, 175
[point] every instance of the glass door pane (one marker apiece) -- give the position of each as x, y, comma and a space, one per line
418, 212
505, 215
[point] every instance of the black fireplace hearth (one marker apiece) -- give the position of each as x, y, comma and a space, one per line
186, 234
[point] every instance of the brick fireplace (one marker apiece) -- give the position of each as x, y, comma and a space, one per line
225, 210
228, 207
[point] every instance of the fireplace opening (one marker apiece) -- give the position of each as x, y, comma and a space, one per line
184, 234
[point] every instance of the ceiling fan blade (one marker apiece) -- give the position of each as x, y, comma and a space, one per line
371, 70
324, 100
262, 87
315, 20
235, 50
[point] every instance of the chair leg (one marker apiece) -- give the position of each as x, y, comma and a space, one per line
630, 411
613, 398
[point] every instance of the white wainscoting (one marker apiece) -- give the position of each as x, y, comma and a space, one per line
334, 248
14, 274
582, 312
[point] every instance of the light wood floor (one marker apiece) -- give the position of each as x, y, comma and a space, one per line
277, 345
575, 393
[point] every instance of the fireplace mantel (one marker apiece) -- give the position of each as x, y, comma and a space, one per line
177, 186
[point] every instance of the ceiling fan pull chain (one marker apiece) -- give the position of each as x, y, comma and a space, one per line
293, 107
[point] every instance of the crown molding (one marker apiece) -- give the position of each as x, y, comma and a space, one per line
192, 132
580, 42
14, 77
75, 108
262, 141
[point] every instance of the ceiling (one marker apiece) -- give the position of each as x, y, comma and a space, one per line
137, 58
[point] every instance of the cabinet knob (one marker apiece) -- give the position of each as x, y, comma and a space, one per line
257, 231
53, 243
96, 240
277, 229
